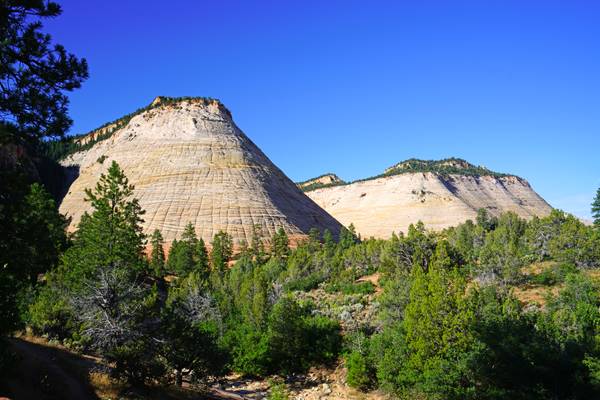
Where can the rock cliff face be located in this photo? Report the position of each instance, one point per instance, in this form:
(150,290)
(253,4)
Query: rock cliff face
(189,162)
(390,203)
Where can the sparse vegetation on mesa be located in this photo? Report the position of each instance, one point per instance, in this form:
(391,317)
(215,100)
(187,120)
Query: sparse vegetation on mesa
(314,183)
(61,148)
(444,167)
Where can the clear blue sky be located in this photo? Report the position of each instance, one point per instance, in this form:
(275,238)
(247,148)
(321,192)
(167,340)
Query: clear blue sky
(352,87)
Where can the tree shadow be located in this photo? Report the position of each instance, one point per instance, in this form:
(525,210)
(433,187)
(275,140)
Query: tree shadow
(47,372)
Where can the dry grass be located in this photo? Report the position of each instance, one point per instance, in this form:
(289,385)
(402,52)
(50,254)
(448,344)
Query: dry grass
(594,274)
(374,279)
(537,267)
(104,386)
(535,294)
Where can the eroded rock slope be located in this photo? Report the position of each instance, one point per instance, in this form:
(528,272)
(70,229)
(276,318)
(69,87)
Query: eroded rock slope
(443,195)
(189,162)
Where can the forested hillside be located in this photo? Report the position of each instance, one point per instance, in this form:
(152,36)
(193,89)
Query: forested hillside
(448,321)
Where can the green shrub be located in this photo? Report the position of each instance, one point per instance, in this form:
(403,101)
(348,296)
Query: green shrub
(306,283)
(249,350)
(358,373)
(324,338)
(277,391)
(554,274)
(298,339)
(350,288)
(50,315)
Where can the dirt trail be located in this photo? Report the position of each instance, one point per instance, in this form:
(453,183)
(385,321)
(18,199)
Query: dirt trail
(48,373)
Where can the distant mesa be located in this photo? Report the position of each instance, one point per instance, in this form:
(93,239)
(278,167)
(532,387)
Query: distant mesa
(440,193)
(189,162)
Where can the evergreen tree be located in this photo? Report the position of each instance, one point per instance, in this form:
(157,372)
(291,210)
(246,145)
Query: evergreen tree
(222,250)
(596,209)
(347,237)
(257,248)
(201,259)
(112,235)
(100,279)
(280,247)
(170,263)
(32,236)
(485,221)
(191,326)
(438,334)
(35,74)
(541,232)
(182,258)
(157,256)
(328,241)
(501,254)
(576,243)
(189,236)
(444,256)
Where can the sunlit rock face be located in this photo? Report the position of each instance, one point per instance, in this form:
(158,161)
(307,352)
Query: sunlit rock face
(377,207)
(189,162)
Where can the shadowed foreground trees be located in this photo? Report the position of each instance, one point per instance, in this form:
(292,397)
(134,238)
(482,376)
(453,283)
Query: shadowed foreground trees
(34,76)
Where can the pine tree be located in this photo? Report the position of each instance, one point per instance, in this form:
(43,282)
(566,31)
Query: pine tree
(441,256)
(347,237)
(257,248)
(328,241)
(314,239)
(170,264)
(182,257)
(32,236)
(222,250)
(35,74)
(485,221)
(596,209)
(181,261)
(201,255)
(100,277)
(157,257)
(111,236)
(280,247)
(190,328)
(189,236)
(438,332)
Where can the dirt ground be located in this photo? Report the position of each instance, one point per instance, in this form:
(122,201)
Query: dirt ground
(48,371)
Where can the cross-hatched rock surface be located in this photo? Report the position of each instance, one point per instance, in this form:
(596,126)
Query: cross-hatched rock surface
(378,207)
(189,162)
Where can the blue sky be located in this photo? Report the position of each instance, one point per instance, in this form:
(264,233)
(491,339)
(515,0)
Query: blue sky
(353,87)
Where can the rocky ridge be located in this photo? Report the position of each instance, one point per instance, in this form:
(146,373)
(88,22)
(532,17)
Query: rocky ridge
(324,180)
(439,193)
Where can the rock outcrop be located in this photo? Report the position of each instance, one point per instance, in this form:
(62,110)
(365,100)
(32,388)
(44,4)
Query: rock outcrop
(189,162)
(324,180)
(441,194)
